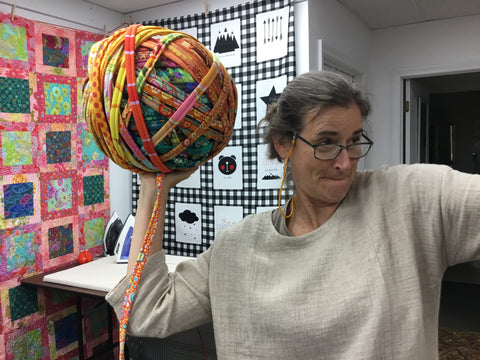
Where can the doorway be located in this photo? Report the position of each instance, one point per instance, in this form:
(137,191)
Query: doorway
(442,121)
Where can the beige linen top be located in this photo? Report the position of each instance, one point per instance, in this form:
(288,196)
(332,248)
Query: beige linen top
(365,285)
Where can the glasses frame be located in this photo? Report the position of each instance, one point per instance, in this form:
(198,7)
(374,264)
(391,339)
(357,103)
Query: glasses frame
(340,147)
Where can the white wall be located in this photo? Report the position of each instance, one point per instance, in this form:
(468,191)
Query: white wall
(344,38)
(431,48)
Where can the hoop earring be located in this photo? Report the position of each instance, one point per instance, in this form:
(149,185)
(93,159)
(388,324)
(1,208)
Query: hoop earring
(283,180)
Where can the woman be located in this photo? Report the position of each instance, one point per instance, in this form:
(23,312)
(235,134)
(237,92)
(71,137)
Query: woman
(349,268)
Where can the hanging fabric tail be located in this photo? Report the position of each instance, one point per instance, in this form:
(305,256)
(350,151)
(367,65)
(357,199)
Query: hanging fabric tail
(137,272)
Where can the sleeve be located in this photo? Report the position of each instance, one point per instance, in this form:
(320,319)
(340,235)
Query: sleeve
(460,207)
(166,303)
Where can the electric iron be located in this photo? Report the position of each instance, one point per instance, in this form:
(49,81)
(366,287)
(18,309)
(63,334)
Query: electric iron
(122,248)
(112,231)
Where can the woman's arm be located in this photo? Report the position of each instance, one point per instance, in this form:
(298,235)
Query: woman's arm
(146,202)
(164,303)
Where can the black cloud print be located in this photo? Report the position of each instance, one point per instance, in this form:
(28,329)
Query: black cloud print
(188,216)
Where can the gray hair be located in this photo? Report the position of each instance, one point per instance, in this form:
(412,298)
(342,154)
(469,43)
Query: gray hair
(312,91)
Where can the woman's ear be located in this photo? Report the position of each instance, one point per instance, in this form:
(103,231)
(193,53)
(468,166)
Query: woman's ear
(282,145)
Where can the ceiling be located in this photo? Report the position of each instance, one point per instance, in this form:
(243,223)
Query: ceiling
(375,14)
(128,6)
(380,14)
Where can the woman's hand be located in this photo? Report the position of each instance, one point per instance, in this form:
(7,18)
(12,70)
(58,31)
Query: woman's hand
(177,176)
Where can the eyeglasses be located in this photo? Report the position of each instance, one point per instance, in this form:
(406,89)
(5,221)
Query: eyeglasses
(331,151)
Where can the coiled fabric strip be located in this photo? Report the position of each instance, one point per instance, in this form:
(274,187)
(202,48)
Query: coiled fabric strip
(157,100)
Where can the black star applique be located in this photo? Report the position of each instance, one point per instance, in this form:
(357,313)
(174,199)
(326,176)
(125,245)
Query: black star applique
(271,98)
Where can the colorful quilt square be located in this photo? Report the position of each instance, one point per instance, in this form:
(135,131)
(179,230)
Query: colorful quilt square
(16,148)
(27,342)
(20,250)
(57,98)
(59,146)
(16,200)
(91,180)
(59,194)
(55,51)
(88,150)
(16,103)
(28,346)
(65,331)
(14,41)
(62,332)
(60,240)
(93,189)
(19,148)
(17,50)
(84,42)
(14,95)
(23,301)
(94,230)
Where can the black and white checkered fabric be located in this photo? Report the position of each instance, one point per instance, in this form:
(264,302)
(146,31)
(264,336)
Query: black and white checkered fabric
(248,137)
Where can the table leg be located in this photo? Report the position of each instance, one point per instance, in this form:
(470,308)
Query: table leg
(80,327)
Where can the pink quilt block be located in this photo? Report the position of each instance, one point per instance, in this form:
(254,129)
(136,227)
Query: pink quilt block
(59,142)
(59,194)
(62,332)
(21,249)
(20,149)
(10,305)
(18,44)
(92,229)
(84,42)
(93,190)
(27,342)
(55,50)
(59,245)
(16,101)
(57,98)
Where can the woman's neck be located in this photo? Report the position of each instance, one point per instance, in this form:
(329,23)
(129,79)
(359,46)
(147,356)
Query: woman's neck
(308,215)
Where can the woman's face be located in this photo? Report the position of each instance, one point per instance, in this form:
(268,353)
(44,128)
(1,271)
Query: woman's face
(325,182)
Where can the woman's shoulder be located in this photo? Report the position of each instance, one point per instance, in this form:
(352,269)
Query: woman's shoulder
(399,180)
(412,172)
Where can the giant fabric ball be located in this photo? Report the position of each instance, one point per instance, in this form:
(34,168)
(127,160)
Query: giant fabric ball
(157,100)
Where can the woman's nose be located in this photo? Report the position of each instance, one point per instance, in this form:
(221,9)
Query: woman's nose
(342,161)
